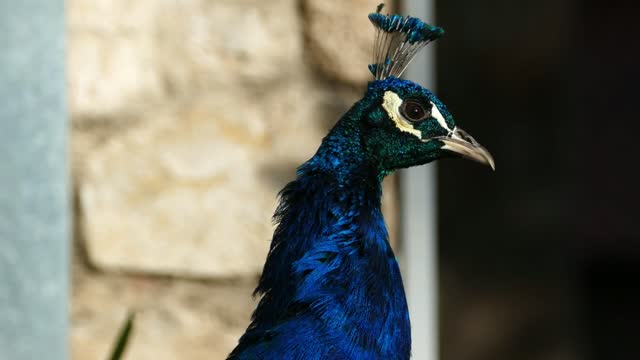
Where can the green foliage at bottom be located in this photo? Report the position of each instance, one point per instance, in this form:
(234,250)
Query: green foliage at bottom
(123,338)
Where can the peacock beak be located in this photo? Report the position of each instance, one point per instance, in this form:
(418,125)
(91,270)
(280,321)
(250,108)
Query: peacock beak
(459,142)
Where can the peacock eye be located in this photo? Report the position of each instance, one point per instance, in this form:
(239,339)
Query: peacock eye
(414,111)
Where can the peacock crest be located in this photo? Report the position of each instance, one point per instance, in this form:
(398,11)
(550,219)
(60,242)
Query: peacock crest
(397,41)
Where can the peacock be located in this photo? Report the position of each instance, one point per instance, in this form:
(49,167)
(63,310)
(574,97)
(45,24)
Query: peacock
(331,286)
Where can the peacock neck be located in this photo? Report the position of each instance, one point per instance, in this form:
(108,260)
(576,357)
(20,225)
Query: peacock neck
(343,155)
(330,271)
(350,268)
(343,258)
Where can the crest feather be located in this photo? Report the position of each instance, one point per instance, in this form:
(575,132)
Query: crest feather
(398,39)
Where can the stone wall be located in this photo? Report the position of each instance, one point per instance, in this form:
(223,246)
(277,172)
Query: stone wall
(188,117)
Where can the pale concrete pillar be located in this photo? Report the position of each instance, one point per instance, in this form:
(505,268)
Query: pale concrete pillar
(419,216)
(34,201)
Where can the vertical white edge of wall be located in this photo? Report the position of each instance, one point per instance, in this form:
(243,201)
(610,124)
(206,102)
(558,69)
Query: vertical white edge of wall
(419,216)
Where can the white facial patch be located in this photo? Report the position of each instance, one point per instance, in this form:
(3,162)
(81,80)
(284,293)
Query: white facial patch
(435,113)
(391,104)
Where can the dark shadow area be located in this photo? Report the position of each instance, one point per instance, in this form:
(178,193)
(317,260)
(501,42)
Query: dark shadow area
(530,254)
(611,296)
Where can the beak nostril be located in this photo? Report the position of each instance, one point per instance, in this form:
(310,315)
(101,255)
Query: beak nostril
(466,137)
(462,135)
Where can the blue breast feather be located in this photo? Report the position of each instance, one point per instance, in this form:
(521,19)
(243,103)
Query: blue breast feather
(331,287)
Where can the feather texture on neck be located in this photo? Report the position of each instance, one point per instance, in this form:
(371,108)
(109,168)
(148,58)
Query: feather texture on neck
(331,281)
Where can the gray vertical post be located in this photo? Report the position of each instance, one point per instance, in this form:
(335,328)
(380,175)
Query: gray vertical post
(419,224)
(34,206)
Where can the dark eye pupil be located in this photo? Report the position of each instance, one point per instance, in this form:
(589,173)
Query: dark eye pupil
(414,111)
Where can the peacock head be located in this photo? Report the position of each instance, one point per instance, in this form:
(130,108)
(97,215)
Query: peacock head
(405,124)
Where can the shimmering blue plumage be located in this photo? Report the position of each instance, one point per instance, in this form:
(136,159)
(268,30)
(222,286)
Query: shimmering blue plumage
(331,286)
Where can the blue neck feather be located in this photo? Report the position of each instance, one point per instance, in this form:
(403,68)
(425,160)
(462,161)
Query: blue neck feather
(331,287)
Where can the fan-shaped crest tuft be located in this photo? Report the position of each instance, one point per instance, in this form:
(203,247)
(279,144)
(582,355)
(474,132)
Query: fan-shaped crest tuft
(398,39)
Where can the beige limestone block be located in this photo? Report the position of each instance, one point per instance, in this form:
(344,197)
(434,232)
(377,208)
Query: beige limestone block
(124,55)
(110,16)
(214,45)
(175,319)
(181,195)
(340,37)
(111,62)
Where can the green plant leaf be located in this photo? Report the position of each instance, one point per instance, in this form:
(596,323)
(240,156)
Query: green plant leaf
(123,337)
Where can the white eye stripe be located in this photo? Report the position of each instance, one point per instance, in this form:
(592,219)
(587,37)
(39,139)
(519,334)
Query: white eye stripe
(435,113)
(391,103)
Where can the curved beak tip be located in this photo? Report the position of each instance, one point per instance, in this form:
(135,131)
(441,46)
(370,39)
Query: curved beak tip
(482,156)
(464,145)
(492,164)
(488,159)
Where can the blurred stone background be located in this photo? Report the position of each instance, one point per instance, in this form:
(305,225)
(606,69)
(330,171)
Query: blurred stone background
(188,117)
